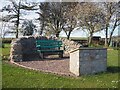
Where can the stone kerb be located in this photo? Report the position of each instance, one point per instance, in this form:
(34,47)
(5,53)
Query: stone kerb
(88,61)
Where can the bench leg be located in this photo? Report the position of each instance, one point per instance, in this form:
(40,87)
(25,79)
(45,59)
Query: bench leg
(61,55)
(41,55)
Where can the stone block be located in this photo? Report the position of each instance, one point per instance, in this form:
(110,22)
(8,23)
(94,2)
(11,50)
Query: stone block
(84,68)
(88,61)
(74,63)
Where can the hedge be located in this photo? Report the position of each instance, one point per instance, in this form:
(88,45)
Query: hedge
(7,40)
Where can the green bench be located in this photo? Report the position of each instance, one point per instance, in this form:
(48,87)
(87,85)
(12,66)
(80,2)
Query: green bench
(49,47)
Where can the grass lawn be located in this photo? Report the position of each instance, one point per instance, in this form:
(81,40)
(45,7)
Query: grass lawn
(17,77)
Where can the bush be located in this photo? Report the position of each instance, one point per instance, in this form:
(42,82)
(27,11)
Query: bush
(7,40)
(3,45)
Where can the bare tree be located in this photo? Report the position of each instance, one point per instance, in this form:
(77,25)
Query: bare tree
(55,20)
(89,16)
(50,17)
(111,18)
(69,17)
(43,15)
(14,13)
(56,16)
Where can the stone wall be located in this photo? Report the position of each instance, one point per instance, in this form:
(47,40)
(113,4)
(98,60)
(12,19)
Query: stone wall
(69,45)
(88,61)
(24,48)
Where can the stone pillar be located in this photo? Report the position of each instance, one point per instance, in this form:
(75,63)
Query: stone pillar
(88,61)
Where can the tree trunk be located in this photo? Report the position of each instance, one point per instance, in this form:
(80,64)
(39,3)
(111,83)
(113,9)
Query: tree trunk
(17,25)
(42,27)
(110,37)
(18,19)
(106,36)
(17,33)
(57,34)
(68,35)
(106,39)
(112,33)
(90,39)
(57,29)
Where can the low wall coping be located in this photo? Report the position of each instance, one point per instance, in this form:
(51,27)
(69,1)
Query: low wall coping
(89,48)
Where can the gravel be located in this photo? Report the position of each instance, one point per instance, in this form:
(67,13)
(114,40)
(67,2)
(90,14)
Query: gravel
(50,64)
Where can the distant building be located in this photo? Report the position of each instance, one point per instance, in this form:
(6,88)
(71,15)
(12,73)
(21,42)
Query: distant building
(84,41)
(96,40)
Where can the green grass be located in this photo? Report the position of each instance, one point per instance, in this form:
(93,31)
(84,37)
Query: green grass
(17,77)
(112,58)
(5,52)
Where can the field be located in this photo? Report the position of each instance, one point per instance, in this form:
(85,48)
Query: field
(17,77)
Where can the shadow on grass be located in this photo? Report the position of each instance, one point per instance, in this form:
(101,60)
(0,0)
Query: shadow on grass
(113,69)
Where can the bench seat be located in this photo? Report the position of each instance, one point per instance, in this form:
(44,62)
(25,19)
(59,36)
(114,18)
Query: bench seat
(49,47)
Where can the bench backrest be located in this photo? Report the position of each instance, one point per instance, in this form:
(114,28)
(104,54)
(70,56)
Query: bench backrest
(48,44)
